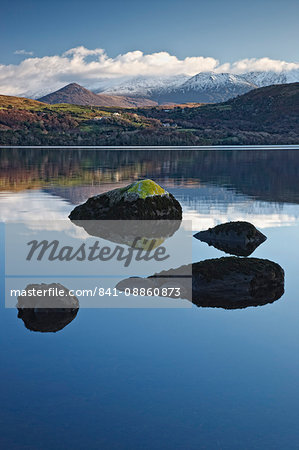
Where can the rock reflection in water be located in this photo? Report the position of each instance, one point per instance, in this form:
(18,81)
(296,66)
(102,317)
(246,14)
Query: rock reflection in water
(47,313)
(149,233)
(227,282)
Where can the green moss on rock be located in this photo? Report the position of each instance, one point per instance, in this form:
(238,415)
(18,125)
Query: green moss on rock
(143,200)
(145,188)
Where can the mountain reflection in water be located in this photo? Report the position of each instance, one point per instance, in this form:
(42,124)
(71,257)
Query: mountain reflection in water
(252,173)
(212,186)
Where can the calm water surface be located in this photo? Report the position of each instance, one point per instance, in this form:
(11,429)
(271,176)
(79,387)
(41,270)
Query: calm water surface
(158,378)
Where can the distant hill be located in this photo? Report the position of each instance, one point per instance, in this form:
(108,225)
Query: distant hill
(10,101)
(268,115)
(263,116)
(274,100)
(77,95)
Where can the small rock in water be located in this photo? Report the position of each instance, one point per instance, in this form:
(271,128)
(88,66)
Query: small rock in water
(142,200)
(228,282)
(47,313)
(236,238)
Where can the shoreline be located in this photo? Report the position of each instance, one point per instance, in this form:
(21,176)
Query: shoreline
(149,147)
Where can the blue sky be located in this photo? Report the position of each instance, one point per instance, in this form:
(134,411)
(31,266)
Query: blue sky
(228,30)
(45,45)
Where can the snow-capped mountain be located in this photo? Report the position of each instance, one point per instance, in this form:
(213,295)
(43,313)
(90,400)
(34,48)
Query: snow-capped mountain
(214,87)
(212,80)
(293,76)
(147,86)
(262,79)
(204,87)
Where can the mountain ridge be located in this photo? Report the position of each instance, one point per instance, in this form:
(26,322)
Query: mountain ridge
(204,87)
(263,116)
(76,94)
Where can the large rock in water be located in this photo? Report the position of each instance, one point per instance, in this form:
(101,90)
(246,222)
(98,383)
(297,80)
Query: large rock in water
(227,282)
(47,314)
(142,200)
(236,238)
(232,282)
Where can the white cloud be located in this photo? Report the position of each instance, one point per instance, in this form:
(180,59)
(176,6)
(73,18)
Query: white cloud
(23,52)
(92,67)
(262,64)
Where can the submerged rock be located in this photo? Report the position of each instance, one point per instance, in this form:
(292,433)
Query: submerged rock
(47,313)
(227,282)
(142,200)
(236,238)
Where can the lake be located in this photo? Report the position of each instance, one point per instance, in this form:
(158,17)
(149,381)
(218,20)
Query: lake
(157,378)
